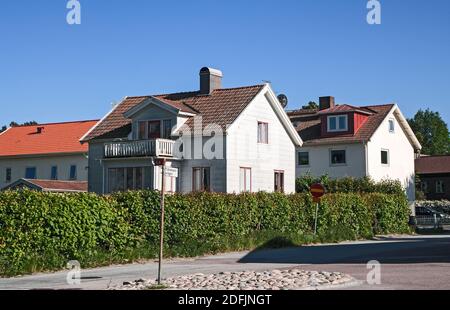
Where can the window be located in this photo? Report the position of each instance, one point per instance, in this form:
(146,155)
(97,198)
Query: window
(121,179)
(8,175)
(245,179)
(263,133)
(391,125)
(167,129)
(73,172)
(30,173)
(201,180)
(279,181)
(142,130)
(424,186)
(439,187)
(303,158)
(154,129)
(337,123)
(54,173)
(338,157)
(149,130)
(384,157)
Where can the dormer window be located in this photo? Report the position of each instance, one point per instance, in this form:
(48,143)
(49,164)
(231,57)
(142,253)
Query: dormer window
(337,123)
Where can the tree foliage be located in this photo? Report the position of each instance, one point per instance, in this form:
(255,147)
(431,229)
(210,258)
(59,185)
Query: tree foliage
(431,131)
(15,124)
(310,106)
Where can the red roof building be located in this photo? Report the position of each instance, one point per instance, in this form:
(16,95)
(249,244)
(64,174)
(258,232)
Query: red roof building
(46,151)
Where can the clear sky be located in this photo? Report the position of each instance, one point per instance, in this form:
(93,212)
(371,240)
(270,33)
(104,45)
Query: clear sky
(51,72)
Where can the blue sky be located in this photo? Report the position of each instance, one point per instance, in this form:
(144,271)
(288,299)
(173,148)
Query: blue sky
(51,72)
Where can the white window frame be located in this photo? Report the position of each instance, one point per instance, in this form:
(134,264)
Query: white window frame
(337,117)
(439,187)
(263,139)
(388,157)
(243,183)
(391,121)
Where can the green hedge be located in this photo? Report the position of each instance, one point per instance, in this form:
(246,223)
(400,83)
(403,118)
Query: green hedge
(350,185)
(42,231)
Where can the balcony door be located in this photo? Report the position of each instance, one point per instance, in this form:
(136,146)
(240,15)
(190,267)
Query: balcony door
(149,130)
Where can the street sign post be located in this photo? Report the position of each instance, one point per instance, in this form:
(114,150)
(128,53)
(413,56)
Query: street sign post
(317,191)
(171,172)
(161,162)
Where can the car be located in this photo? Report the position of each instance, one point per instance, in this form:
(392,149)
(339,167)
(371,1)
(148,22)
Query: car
(429,212)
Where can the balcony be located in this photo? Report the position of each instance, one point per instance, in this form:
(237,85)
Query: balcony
(140,148)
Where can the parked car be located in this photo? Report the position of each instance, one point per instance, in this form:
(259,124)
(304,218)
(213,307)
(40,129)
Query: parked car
(429,212)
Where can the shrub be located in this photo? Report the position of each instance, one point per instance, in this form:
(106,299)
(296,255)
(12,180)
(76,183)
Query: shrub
(42,231)
(350,185)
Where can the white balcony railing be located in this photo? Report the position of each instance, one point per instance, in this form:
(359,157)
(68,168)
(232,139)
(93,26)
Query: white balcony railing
(140,148)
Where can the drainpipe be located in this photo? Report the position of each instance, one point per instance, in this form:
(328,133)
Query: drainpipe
(366,158)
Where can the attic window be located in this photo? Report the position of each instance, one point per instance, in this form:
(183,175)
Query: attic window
(391,125)
(337,123)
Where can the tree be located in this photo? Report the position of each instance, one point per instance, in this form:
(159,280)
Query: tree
(431,131)
(310,106)
(14,124)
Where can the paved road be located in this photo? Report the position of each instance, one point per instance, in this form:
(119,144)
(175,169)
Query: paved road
(418,262)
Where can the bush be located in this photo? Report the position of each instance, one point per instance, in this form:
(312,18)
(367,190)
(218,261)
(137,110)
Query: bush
(43,231)
(350,185)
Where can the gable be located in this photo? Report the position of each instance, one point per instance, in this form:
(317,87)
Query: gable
(269,97)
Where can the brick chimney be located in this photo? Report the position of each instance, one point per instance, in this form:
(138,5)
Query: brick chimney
(210,79)
(326,102)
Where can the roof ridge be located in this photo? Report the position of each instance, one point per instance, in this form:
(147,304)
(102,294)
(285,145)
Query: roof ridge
(61,181)
(56,123)
(196,91)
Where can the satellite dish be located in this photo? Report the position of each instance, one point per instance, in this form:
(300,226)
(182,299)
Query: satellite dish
(283,100)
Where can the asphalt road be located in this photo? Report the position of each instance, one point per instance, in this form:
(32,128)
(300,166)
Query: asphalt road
(412,262)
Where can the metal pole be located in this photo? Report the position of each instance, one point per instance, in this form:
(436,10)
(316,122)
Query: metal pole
(315,221)
(161,227)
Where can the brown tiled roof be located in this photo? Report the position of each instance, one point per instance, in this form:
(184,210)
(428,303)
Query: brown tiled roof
(433,164)
(54,186)
(343,108)
(309,127)
(222,107)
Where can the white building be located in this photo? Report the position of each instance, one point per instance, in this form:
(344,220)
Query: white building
(216,139)
(347,141)
(44,152)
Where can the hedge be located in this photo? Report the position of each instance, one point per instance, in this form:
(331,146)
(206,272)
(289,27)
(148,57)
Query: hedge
(350,185)
(43,231)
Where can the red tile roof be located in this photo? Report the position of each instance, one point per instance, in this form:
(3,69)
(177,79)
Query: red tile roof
(222,107)
(433,164)
(309,126)
(55,138)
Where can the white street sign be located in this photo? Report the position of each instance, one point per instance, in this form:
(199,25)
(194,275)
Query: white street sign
(171,172)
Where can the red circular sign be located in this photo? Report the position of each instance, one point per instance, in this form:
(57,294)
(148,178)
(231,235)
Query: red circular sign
(317,190)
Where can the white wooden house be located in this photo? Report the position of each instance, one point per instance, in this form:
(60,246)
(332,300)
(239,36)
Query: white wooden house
(220,139)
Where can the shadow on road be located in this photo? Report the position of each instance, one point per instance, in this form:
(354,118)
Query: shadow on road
(387,251)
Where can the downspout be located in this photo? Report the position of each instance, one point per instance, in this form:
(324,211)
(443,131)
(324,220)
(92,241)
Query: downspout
(366,158)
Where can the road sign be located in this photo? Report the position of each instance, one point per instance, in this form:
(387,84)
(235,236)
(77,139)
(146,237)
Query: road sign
(317,191)
(171,172)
